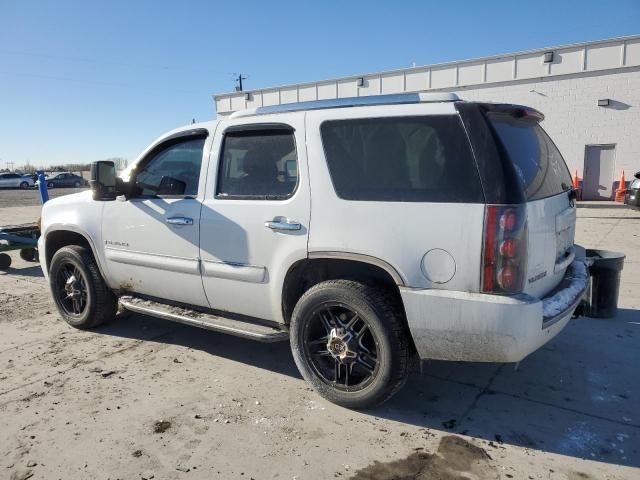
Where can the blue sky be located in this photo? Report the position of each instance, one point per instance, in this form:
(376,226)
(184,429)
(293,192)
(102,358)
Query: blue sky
(82,80)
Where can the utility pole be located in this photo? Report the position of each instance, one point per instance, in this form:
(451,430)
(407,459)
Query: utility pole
(239,79)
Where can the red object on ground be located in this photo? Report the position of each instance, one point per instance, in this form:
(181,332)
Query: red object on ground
(622,187)
(576,181)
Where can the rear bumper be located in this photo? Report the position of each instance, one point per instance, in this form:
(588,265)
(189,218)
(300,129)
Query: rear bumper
(462,326)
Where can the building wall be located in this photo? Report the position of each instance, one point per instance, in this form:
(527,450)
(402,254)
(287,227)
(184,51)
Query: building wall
(572,116)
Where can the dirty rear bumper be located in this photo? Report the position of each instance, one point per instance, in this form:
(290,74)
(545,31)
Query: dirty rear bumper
(462,326)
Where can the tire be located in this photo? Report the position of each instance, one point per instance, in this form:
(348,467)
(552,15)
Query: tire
(76,185)
(95,303)
(29,254)
(50,185)
(24,185)
(5,261)
(384,351)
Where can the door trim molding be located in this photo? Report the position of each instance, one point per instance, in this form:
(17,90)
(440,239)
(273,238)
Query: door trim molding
(234,271)
(152,260)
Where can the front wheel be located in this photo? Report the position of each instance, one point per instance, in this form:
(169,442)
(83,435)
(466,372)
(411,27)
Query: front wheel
(76,185)
(81,295)
(351,343)
(24,185)
(50,185)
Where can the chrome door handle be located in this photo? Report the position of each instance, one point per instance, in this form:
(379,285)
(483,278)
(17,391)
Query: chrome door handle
(284,225)
(180,220)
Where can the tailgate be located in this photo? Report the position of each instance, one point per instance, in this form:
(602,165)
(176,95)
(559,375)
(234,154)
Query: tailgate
(551,231)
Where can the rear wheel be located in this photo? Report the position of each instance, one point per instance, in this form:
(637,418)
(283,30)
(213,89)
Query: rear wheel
(24,185)
(351,343)
(81,295)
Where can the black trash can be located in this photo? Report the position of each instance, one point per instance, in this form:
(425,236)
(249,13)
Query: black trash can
(605,282)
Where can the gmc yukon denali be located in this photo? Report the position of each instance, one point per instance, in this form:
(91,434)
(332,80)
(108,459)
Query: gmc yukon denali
(370,232)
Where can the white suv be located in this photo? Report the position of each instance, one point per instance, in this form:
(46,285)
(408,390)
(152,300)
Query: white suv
(369,232)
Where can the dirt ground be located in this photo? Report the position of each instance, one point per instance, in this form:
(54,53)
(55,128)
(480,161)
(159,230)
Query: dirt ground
(145,398)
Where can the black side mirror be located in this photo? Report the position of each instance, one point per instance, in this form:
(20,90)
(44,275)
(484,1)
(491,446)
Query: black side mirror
(103,181)
(171,186)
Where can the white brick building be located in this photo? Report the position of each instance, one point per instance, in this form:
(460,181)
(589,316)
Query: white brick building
(589,93)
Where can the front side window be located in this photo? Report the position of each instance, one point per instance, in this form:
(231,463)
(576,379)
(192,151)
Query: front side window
(172,171)
(401,159)
(258,164)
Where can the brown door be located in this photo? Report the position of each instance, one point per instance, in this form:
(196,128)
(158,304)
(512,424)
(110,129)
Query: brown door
(599,163)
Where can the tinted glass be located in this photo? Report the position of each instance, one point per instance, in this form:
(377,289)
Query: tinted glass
(174,170)
(537,161)
(258,164)
(401,159)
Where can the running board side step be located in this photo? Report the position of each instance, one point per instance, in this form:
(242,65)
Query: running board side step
(209,321)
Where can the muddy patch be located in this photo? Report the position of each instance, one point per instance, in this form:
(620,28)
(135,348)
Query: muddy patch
(161,426)
(455,459)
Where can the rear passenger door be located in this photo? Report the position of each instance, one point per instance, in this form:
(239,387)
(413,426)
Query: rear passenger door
(255,216)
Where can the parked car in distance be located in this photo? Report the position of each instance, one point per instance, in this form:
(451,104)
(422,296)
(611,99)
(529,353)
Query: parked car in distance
(66,180)
(15,180)
(632,195)
(369,232)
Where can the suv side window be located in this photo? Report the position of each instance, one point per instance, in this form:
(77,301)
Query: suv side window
(173,170)
(258,164)
(401,159)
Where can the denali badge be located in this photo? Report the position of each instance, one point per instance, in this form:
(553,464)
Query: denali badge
(537,277)
(116,244)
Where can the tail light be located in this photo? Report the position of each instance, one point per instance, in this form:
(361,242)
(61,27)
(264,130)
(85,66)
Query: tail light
(504,259)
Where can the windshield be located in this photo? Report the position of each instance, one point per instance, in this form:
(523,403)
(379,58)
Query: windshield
(538,163)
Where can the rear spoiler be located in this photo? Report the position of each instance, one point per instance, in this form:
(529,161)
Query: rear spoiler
(516,111)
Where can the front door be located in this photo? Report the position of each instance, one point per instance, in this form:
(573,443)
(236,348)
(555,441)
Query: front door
(599,162)
(151,239)
(255,217)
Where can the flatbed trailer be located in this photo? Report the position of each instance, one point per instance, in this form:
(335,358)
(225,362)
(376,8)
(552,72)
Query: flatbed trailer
(19,237)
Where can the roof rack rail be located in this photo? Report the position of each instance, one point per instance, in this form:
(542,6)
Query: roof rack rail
(399,98)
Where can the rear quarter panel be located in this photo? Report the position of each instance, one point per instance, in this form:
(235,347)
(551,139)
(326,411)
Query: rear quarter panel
(399,233)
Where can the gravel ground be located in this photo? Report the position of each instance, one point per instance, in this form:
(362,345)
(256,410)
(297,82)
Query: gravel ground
(145,398)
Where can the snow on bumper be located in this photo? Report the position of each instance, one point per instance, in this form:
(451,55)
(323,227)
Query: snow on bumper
(462,326)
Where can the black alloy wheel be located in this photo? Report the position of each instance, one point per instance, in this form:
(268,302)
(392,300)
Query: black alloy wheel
(341,347)
(71,289)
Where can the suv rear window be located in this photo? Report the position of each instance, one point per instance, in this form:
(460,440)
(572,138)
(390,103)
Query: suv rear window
(537,160)
(401,159)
